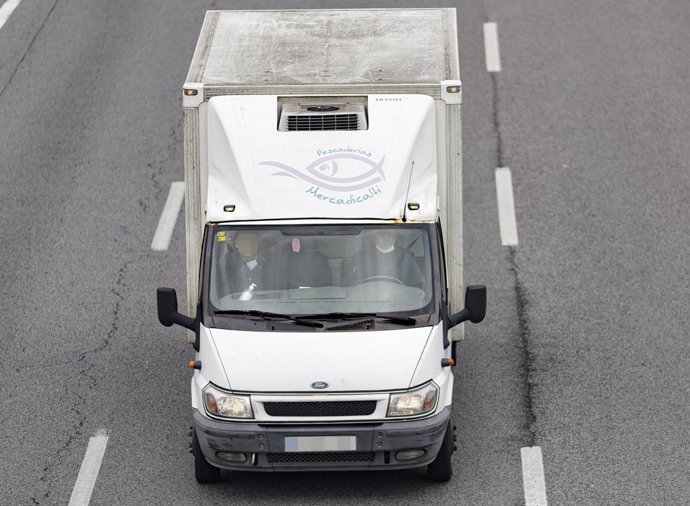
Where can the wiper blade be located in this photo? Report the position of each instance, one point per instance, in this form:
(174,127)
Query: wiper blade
(344,320)
(401,320)
(267,316)
(351,324)
(333,316)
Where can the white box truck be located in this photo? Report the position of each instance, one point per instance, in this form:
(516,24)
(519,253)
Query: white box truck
(324,240)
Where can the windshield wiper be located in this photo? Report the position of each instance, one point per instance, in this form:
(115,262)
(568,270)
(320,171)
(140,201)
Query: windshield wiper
(333,316)
(268,316)
(401,320)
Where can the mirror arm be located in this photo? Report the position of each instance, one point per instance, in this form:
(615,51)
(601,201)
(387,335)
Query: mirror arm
(454,320)
(458,318)
(185,321)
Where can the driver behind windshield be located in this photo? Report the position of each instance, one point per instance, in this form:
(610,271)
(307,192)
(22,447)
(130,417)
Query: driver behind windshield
(244,266)
(385,260)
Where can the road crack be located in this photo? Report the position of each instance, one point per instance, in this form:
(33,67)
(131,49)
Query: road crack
(496,120)
(527,359)
(28,49)
(521,298)
(87,378)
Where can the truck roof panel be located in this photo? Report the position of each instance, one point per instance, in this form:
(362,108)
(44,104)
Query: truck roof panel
(322,48)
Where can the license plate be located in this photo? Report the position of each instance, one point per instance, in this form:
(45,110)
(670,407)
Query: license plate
(320,443)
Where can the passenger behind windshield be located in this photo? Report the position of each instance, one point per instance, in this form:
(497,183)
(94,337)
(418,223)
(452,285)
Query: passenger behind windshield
(385,260)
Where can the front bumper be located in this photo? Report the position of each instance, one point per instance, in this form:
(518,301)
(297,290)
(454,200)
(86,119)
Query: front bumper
(264,445)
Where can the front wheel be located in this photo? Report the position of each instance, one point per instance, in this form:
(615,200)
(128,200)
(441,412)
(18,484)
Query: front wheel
(441,468)
(203,471)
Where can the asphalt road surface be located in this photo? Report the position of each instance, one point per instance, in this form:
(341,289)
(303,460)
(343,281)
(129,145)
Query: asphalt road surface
(585,351)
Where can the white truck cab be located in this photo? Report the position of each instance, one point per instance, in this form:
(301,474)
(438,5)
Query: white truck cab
(321,288)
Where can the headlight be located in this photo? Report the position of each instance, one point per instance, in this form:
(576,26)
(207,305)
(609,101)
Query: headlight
(227,405)
(414,402)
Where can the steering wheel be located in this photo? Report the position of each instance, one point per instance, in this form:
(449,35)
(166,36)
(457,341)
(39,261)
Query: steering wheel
(382,278)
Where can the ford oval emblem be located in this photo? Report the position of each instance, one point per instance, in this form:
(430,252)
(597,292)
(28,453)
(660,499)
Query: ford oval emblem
(319,385)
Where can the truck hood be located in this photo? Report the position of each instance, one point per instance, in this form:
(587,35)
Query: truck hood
(347,361)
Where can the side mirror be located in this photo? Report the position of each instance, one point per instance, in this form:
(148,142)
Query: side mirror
(167,310)
(475,301)
(475,306)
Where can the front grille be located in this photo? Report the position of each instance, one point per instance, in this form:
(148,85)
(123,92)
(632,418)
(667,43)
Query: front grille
(336,408)
(323,122)
(316,457)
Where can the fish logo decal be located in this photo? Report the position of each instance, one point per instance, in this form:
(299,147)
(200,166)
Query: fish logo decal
(340,172)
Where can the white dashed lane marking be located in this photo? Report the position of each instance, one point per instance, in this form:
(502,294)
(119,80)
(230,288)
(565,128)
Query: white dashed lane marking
(7,9)
(506,207)
(533,476)
(491,52)
(83,488)
(171,210)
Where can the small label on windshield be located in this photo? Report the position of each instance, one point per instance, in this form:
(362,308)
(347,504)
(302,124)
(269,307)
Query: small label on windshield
(221,236)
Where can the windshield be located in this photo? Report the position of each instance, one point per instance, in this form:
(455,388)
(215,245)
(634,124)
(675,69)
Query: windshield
(321,269)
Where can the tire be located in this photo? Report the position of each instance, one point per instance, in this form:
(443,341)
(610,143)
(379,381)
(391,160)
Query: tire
(441,469)
(203,471)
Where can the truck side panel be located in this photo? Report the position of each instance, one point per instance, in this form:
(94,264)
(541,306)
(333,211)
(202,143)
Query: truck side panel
(193,199)
(453,233)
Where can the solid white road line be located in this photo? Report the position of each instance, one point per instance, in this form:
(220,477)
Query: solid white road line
(166,225)
(7,9)
(533,476)
(81,493)
(506,207)
(491,53)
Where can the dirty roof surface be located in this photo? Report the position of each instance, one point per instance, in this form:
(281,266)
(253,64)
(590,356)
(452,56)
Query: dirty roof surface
(324,47)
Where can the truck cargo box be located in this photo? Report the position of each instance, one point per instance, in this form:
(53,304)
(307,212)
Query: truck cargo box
(328,53)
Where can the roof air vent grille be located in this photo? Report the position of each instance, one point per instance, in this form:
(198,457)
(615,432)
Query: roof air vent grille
(325,122)
(310,117)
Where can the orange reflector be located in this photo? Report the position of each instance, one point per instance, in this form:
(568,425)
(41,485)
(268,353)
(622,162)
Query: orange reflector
(447,362)
(191,364)
(189,92)
(229,209)
(453,89)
